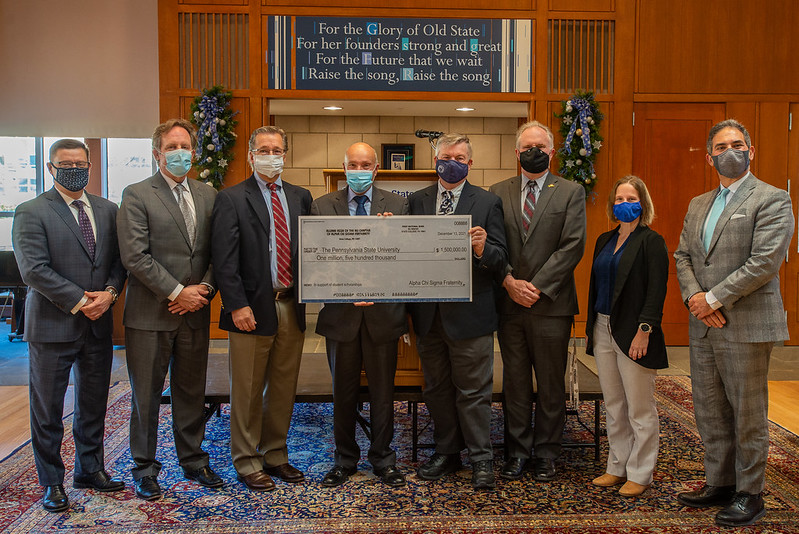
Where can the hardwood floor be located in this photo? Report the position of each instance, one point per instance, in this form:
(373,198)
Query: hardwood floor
(15,428)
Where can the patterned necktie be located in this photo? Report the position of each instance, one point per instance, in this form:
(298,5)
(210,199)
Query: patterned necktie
(188,218)
(281,239)
(85,227)
(361,201)
(715,213)
(446,206)
(529,205)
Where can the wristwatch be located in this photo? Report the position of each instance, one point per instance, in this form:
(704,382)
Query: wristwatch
(114,294)
(645,328)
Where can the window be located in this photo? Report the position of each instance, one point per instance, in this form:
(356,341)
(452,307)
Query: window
(24,174)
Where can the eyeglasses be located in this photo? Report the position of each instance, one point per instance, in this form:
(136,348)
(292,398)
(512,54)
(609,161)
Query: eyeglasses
(269,152)
(70,164)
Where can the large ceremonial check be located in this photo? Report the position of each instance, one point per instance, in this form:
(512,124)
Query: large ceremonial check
(403,258)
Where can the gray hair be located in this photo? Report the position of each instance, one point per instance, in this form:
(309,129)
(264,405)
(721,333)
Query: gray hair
(269,130)
(452,139)
(534,124)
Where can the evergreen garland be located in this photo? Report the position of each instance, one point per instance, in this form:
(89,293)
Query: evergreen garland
(580,118)
(213,117)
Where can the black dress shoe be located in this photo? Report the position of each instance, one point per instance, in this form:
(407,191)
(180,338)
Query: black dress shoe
(483,475)
(147,488)
(204,476)
(513,468)
(544,469)
(391,476)
(286,473)
(707,496)
(55,500)
(338,476)
(99,481)
(439,465)
(744,509)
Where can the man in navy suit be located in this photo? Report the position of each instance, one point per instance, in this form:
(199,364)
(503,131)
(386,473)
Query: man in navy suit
(456,339)
(254,248)
(65,243)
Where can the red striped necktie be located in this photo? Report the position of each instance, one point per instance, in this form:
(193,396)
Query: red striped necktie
(284,277)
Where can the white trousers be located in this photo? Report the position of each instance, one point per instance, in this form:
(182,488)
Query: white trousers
(631,412)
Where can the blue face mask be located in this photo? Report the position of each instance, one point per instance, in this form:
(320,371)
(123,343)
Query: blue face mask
(73,179)
(178,162)
(627,211)
(360,181)
(451,171)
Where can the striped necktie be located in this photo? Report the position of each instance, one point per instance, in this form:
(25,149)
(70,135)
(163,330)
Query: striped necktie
(282,241)
(529,205)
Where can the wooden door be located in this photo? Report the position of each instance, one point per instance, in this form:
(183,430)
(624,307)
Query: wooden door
(790,273)
(669,156)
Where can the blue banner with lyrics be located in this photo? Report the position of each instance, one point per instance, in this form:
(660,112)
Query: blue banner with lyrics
(402,54)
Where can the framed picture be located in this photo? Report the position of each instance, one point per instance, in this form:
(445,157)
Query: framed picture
(397,157)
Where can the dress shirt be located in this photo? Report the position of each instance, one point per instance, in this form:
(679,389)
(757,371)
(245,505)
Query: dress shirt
(190,201)
(540,181)
(456,195)
(267,194)
(352,205)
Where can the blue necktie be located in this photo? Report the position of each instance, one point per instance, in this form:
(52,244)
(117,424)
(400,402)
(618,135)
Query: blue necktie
(715,213)
(361,201)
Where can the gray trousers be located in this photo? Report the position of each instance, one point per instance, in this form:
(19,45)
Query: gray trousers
(730,391)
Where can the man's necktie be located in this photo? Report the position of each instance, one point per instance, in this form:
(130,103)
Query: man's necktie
(529,205)
(446,206)
(281,239)
(715,213)
(188,218)
(360,209)
(85,227)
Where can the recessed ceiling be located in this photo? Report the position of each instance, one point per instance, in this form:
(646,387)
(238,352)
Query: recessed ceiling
(415,108)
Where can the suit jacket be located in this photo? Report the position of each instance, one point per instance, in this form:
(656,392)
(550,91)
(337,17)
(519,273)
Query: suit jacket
(155,248)
(242,259)
(742,266)
(54,262)
(341,322)
(553,245)
(463,320)
(638,294)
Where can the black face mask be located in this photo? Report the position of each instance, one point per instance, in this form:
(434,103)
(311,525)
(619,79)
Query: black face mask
(534,160)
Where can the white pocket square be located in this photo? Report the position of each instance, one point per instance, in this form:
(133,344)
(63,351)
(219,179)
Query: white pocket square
(737,216)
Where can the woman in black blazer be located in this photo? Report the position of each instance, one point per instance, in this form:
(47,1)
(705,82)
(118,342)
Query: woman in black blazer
(625,307)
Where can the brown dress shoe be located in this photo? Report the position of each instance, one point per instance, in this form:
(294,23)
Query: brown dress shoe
(632,489)
(607,480)
(258,481)
(286,473)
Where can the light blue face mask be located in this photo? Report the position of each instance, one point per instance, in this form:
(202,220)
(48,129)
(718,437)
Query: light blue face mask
(178,162)
(360,181)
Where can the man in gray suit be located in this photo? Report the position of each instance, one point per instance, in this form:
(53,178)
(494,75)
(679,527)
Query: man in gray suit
(733,242)
(65,243)
(363,334)
(545,226)
(164,228)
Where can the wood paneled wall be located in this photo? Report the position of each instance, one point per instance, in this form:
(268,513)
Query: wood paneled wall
(740,56)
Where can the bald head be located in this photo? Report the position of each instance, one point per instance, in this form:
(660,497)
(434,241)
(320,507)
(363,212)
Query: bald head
(360,156)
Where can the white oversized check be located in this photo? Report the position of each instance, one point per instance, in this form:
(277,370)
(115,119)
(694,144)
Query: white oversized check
(404,258)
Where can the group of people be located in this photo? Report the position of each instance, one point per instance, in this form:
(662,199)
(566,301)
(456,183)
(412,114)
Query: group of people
(178,242)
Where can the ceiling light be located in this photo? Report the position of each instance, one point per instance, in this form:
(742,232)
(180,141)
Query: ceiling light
(332,108)
(464,109)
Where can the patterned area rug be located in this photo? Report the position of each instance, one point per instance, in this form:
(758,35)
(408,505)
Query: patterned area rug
(571,504)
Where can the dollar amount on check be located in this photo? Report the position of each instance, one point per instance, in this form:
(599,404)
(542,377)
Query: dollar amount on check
(404,258)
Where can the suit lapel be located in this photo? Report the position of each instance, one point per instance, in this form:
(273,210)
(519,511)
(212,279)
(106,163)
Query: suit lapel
(167,198)
(429,200)
(743,192)
(550,186)
(513,201)
(466,201)
(378,202)
(257,202)
(295,208)
(65,213)
(340,205)
(99,229)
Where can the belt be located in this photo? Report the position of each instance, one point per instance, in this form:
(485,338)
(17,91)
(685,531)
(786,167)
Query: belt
(284,294)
